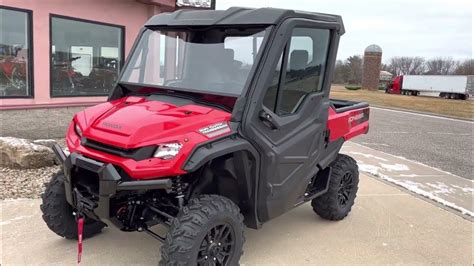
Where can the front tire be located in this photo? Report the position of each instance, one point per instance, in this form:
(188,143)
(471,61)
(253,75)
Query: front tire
(58,214)
(337,202)
(208,231)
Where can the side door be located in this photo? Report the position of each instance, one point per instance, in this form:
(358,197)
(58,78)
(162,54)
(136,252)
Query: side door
(286,118)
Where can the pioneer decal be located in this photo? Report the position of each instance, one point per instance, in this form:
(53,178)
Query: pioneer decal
(359,118)
(111,125)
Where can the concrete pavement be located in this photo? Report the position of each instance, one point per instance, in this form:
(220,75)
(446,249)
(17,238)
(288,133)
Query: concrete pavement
(386,226)
(440,142)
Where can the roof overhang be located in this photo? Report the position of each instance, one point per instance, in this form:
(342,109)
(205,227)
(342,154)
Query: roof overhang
(236,16)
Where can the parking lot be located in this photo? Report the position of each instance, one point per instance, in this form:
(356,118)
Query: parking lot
(386,225)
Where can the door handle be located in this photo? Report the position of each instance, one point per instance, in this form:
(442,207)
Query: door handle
(267,120)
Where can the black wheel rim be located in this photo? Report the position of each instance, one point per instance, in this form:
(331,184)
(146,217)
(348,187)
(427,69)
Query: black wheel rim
(218,246)
(345,189)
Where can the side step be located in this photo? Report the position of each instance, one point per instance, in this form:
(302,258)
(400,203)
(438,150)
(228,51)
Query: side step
(319,185)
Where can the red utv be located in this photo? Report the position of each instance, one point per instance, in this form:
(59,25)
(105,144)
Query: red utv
(13,70)
(228,125)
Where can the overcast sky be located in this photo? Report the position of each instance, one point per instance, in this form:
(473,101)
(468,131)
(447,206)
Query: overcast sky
(428,28)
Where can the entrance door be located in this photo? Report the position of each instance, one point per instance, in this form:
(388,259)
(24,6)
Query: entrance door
(286,119)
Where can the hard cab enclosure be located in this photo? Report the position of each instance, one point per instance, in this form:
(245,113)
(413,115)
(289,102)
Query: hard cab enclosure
(232,103)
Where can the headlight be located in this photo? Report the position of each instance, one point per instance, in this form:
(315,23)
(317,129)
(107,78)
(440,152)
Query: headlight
(167,151)
(78,130)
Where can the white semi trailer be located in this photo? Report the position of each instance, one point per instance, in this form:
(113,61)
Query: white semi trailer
(450,87)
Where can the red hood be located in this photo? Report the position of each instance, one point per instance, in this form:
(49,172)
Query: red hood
(135,121)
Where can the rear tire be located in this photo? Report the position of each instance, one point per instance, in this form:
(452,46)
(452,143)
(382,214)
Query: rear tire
(208,230)
(58,214)
(337,202)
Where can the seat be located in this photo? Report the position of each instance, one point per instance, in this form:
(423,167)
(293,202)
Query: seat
(298,60)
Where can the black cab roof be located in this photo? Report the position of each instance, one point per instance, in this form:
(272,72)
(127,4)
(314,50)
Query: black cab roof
(236,16)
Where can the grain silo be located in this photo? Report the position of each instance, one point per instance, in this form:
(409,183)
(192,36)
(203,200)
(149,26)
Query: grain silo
(371,70)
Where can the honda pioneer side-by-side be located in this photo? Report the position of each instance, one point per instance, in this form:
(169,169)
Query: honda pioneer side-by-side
(219,120)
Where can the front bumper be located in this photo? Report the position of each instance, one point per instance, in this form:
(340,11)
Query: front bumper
(110,183)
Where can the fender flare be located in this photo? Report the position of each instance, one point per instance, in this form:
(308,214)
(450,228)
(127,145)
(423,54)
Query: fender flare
(208,151)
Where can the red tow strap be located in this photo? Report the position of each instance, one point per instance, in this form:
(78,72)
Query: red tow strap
(80,228)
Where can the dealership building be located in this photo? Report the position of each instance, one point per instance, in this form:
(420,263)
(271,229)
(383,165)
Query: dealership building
(59,56)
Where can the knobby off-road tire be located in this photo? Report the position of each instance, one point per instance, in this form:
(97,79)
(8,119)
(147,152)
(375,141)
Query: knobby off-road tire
(207,228)
(58,214)
(337,202)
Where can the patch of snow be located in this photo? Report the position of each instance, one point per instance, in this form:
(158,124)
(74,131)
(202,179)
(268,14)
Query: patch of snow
(414,187)
(399,157)
(395,167)
(410,175)
(441,188)
(368,168)
(464,189)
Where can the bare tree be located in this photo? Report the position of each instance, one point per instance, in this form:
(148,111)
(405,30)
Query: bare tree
(441,66)
(465,68)
(385,67)
(405,65)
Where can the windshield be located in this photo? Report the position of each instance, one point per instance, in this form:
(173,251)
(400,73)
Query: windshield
(216,61)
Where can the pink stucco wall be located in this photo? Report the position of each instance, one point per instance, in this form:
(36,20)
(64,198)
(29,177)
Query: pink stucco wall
(129,13)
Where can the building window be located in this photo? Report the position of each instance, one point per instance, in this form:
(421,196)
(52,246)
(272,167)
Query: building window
(15,53)
(86,57)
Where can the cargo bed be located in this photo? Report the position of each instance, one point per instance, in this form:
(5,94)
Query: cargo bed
(340,106)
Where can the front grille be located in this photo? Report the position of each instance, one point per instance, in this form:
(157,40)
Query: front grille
(137,154)
(107,148)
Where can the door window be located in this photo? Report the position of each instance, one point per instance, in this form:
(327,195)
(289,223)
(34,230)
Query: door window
(269,100)
(304,68)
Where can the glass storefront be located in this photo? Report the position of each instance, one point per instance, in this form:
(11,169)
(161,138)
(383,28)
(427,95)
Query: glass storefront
(15,53)
(85,57)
